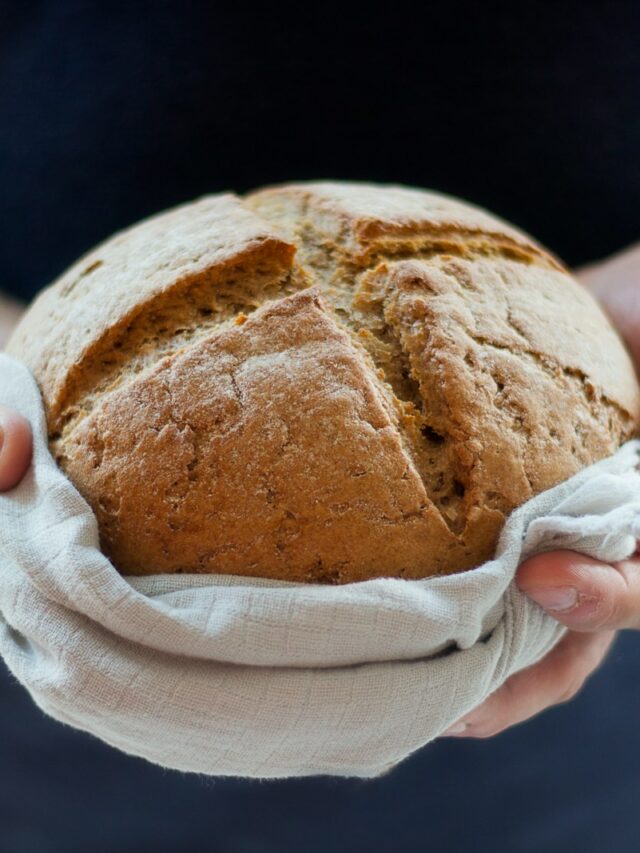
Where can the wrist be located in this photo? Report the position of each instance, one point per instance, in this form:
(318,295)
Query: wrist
(10,312)
(615,283)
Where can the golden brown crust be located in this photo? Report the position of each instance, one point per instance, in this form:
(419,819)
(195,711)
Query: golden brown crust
(516,410)
(227,417)
(361,221)
(264,449)
(88,316)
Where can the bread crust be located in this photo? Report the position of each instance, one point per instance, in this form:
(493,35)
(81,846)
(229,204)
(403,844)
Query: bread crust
(86,317)
(323,382)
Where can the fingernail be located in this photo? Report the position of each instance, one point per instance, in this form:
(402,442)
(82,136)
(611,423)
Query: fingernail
(456,729)
(558,598)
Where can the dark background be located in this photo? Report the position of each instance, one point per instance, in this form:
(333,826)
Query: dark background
(112,111)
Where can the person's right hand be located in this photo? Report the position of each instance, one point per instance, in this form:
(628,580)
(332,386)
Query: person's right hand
(15,448)
(593,599)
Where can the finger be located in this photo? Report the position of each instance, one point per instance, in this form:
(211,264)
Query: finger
(555,679)
(582,593)
(15,448)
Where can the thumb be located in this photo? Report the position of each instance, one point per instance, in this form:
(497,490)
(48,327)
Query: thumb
(582,593)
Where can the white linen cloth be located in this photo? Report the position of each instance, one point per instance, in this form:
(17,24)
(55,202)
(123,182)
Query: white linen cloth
(236,676)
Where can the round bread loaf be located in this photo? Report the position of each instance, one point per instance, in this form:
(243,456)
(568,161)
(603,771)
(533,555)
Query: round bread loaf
(322,382)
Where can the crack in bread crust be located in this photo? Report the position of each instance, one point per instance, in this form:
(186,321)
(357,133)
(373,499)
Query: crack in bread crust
(449,384)
(430,438)
(553,368)
(169,324)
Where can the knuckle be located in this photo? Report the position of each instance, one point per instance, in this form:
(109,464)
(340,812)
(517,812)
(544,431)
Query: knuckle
(581,662)
(598,612)
(626,612)
(489,726)
(482,732)
(571,689)
(609,611)
(615,603)
(482,725)
(595,653)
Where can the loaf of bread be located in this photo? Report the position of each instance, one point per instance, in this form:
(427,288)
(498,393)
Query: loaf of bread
(322,382)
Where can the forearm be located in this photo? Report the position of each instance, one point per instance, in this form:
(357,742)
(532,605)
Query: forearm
(615,282)
(10,311)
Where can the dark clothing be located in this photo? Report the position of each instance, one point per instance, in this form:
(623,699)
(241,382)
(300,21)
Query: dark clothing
(110,112)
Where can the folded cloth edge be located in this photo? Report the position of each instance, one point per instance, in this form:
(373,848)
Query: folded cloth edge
(515,630)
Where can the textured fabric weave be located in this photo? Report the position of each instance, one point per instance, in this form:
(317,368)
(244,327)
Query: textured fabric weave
(245,677)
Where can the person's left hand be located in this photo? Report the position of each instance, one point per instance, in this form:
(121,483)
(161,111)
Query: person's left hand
(594,600)
(15,448)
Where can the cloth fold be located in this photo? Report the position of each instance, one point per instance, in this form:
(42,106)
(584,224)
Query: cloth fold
(238,676)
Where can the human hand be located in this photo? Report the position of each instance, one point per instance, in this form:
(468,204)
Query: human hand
(15,448)
(593,599)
